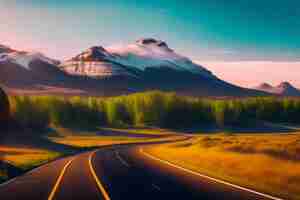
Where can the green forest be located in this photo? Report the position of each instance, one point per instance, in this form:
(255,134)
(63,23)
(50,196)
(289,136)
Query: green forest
(150,109)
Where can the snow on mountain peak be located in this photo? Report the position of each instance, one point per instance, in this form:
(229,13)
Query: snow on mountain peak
(149,52)
(24,59)
(140,55)
(95,53)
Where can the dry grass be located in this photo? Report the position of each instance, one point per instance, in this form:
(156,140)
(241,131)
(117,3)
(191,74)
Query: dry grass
(267,163)
(142,131)
(26,158)
(98,141)
(95,139)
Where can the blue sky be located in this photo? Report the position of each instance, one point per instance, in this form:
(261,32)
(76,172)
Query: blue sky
(208,30)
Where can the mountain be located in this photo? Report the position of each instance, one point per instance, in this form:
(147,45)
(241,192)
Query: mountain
(284,89)
(131,60)
(151,64)
(34,73)
(146,64)
(21,68)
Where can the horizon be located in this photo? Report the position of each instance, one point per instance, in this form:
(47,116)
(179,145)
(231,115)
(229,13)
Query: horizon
(263,43)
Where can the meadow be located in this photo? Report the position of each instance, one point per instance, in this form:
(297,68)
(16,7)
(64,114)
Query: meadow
(267,163)
(166,110)
(23,152)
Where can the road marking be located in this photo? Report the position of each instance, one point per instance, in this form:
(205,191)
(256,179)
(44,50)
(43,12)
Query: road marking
(99,184)
(121,159)
(58,181)
(8,182)
(210,178)
(22,176)
(156,187)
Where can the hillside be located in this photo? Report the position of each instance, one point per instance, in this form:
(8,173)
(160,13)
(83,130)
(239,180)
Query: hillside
(147,64)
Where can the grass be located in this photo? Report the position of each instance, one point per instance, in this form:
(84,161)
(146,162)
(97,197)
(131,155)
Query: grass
(141,131)
(22,157)
(15,160)
(87,139)
(94,141)
(268,163)
(27,158)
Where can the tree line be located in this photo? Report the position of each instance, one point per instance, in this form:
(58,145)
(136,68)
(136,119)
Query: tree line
(150,109)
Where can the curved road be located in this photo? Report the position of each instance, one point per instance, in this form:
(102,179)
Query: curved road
(119,172)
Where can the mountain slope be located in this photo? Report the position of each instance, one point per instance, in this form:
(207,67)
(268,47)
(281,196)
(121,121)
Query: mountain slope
(130,60)
(151,64)
(147,64)
(284,89)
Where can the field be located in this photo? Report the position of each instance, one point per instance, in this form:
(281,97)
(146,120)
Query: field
(14,160)
(265,162)
(62,126)
(112,136)
(17,157)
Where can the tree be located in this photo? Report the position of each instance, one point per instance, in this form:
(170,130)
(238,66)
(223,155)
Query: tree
(4,106)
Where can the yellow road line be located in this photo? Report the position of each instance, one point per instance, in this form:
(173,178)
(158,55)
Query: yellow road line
(208,177)
(99,184)
(58,181)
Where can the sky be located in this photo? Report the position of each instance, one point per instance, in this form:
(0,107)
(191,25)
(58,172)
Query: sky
(244,42)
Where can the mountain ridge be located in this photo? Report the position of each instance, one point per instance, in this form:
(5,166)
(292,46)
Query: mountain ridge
(147,64)
(284,89)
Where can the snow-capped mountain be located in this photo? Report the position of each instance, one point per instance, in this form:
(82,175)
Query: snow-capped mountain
(95,62)
(131,59)
(28,69)
(24,59)
(147,64)
(284,89)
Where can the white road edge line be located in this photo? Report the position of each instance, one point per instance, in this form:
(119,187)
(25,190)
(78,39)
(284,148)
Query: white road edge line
(98,182)
(22,175)
(210,178)
(8,182)
(121,159)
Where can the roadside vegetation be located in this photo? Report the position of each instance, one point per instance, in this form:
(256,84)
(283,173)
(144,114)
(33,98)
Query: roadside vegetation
(268,163)
(158,109)
(22,152)
(64,126)
(14,160)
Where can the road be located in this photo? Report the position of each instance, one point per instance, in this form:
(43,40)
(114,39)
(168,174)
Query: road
(119,172)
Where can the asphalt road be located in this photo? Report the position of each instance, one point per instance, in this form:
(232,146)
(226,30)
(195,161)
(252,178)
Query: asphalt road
(118,172)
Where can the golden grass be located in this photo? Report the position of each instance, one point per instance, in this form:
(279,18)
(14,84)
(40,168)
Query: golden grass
(26,158)
(98,141)
(142,131)
(242,159)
